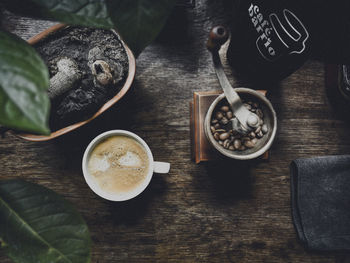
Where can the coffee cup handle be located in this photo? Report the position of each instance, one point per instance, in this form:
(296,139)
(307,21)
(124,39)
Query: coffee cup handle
(161,168)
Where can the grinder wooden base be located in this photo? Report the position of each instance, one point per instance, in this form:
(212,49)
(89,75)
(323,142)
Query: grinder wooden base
(201,149)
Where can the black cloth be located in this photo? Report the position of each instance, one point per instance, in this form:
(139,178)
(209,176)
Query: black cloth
(320,189)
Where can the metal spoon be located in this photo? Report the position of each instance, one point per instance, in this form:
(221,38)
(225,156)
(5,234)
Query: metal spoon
(245,120)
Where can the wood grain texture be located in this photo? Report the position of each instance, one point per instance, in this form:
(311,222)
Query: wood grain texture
(217,212)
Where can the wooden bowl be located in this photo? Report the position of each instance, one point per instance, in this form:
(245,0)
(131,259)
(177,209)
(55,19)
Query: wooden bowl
(107,105)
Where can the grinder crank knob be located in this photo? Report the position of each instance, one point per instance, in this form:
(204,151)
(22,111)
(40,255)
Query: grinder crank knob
(217,37)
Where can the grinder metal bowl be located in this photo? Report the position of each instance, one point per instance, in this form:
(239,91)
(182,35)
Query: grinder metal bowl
(217,37)
(269,119)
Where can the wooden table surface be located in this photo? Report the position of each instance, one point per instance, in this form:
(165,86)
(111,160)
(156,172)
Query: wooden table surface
(213,212)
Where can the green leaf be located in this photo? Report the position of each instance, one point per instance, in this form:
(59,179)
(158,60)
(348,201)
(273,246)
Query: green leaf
(139,21)
(39,226)
(24,79)
(78,12)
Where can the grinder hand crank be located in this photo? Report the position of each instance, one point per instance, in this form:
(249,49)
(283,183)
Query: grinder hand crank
(245,120)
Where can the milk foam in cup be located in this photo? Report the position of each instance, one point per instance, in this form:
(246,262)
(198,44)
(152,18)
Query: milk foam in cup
(118,165)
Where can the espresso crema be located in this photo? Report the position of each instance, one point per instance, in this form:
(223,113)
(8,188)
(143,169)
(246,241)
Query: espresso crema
(118,164)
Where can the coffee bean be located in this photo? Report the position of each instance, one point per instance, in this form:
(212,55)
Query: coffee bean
(248,106)
(237,144)
(260,134)
(229,115)
(252,135)
(248,144)
(232,139)
(242,148)
(259,113)
(216,136)
(257,130)
(219,115)
(224,136)
(225,108)
(264,129)
(224,121)
(226,143)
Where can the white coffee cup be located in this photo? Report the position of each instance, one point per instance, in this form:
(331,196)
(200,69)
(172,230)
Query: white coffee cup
(154,167)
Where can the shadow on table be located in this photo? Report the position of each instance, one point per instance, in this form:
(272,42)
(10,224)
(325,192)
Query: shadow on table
(132,211)
(339,256)
(123,115)
(231,180)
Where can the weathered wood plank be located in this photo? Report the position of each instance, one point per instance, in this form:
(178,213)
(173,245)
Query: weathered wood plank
(215,212)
